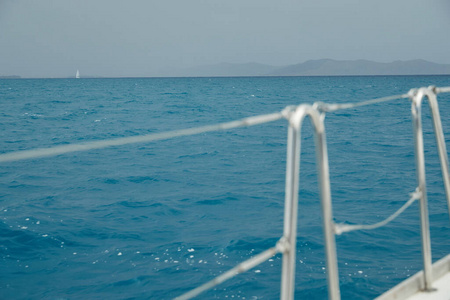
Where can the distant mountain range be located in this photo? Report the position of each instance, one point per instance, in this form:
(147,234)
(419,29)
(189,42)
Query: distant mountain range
(321,67)
(10,77)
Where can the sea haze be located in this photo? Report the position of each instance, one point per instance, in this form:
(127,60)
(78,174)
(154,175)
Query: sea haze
(154,220)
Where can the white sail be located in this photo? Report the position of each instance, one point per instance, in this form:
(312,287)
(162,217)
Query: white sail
(78,74)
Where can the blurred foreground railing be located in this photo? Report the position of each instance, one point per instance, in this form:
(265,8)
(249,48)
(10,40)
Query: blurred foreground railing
(287,244)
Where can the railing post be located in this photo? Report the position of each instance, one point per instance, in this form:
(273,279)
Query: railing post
(440,141)
(420,172)
(327,212)
(290,214)
(291,201)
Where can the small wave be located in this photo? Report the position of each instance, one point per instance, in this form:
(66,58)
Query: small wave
(134,204)
(111,181)
(17,243)
(253,244)
(140,179)
(209,202)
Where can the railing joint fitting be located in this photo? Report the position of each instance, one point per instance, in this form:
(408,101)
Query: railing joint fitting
(282,245)
(288,111)
(337,228)
(322,108)
(416,194)
(412,93)
(433,89)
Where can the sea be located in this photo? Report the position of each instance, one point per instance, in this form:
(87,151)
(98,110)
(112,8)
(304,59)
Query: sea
(154,220)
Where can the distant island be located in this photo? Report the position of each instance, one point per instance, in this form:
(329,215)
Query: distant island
(10,77)
(320,67)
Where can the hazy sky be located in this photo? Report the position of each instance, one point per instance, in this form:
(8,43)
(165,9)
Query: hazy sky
(50,38)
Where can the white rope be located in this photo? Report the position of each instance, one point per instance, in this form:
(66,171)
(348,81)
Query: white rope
(324,107)
(42,152)
(443,90)
(240,268)
(53,151)
(341,228)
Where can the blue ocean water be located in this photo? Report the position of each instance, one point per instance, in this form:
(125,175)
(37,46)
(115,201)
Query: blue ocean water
(154,220)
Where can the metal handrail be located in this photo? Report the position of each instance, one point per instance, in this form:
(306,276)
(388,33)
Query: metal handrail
(291,201)
(316,113)
(416,98)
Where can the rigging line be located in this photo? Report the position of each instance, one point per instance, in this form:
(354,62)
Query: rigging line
(341,228)
(240,268)
(325,107)
(53,151)
(442,90)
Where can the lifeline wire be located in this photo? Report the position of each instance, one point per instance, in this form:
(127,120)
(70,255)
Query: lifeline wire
(341,228)
(53,151)
(325,107)
(443,90)
(240,268)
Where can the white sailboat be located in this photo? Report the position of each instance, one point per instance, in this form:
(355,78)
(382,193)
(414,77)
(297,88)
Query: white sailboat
(78,74)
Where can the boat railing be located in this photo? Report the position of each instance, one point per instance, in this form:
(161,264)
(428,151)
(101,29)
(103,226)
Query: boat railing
(286,245)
